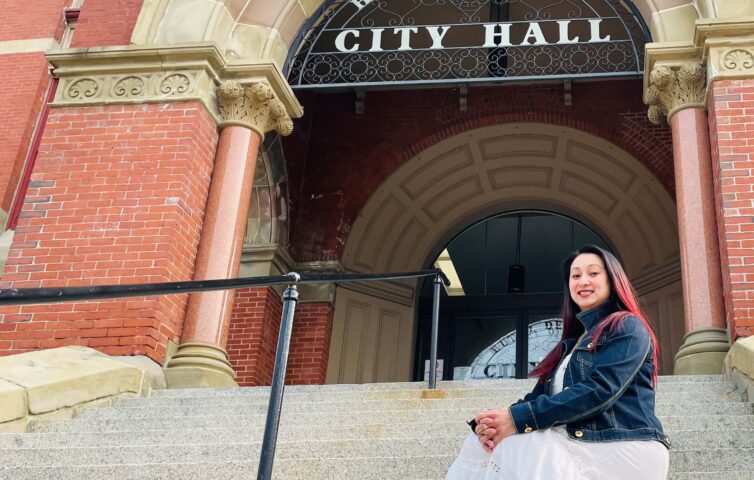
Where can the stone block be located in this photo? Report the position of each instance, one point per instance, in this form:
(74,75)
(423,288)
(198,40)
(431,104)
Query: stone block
(13,401)
(155,371)
(64,377)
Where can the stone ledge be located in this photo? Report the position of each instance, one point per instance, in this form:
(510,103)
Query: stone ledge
(48,382)
(739,366)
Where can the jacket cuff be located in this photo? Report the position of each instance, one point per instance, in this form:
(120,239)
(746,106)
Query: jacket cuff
(523,417)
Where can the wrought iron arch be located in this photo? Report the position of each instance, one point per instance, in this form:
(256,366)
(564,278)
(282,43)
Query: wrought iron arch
(384,54)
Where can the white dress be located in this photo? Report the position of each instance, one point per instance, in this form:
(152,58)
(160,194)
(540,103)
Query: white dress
(550,454)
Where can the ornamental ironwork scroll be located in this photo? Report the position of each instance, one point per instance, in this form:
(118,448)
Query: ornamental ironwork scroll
(383,42)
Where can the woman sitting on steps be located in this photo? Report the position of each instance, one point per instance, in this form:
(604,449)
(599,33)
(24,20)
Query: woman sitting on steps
(591,414)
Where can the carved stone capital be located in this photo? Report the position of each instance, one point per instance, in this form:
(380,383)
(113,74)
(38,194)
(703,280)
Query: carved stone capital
(673,88)
(255,106)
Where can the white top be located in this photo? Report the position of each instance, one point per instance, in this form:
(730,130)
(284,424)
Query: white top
(557,380)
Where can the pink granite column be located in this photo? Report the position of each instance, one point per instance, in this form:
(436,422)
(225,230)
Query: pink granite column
(248,112)
(705,344)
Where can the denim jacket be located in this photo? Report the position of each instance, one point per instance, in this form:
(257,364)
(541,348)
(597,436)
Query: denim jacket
(607,393)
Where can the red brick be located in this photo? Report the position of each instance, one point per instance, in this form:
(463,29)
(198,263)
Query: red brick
(732,160)
(78,244)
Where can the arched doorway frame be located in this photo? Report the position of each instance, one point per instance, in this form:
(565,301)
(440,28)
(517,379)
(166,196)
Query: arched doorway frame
(598,184)
(248,31)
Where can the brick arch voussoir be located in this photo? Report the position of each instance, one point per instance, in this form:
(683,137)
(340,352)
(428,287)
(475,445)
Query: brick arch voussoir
(643,144)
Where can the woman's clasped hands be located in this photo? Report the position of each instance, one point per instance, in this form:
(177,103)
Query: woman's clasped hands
(493,426)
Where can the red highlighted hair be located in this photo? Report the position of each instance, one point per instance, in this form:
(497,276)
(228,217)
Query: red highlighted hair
(622,293)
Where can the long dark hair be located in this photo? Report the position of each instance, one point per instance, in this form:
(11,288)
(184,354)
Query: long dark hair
(621,293)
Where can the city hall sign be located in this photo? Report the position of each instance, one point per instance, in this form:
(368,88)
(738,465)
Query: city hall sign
(381,42)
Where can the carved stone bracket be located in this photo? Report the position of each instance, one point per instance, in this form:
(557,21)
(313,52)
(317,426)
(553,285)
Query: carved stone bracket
(255,106)
(673,88)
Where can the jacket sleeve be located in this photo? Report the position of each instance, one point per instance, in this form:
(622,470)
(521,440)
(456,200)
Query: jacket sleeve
(616,363)
(538,390)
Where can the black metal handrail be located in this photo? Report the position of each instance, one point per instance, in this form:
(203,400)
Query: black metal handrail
(30,296)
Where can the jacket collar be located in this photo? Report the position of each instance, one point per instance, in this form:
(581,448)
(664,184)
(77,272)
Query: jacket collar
(590,318)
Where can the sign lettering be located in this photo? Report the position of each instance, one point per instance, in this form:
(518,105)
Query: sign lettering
(496,35)
(387,42)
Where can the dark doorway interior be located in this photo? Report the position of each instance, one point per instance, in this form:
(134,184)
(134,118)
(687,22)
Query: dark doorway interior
(500,317)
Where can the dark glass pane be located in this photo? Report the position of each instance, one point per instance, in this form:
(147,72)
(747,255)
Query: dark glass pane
(544,332)
(487,345)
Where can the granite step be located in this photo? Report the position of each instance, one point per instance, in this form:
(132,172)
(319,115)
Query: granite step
(127,433)
(692,466)
(469,405)
(700,458)
(360,431)
(229,418)
(682,439)
(394,421)
(676,393)
(701,381)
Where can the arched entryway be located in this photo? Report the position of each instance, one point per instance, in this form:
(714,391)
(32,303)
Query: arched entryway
(456,183)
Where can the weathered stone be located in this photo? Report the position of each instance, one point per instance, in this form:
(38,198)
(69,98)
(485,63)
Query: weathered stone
(13,401)
(64,377)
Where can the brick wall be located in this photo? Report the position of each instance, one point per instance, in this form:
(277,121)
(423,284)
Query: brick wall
(310,344)
(106,22)
(26,80)
(117,196)
(731,120)
(253,335)
(20,106)
(349,155)
(37,19)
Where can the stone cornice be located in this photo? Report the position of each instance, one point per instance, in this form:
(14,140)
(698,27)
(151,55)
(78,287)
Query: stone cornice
(728,47)
(135,74)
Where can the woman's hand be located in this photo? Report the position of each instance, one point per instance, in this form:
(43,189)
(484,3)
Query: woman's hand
(493,426)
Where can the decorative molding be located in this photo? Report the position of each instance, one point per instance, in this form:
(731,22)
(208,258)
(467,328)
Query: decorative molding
(738,60)
(189,72)
(254,106)
(673,88)
(727,47)
(133,88)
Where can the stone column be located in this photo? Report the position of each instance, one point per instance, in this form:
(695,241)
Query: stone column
(677,92)
(247,112)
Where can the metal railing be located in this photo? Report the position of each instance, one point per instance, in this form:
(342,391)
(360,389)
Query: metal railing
(30,296)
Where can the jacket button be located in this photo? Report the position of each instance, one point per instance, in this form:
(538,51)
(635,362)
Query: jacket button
(579,433)
(590,345)
(528,430)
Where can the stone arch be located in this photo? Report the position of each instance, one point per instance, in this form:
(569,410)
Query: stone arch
(254,30)
(543,166)
(464,178)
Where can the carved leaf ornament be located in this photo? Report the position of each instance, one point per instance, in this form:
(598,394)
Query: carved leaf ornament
(84,88)
(255,106)
(738,60)
(672,88)
(129,87)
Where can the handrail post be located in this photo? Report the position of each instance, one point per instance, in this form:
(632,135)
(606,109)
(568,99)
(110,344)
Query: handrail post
(435,328)
(267,455)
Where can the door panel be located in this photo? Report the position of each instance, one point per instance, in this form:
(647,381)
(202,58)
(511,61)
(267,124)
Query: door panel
(372,339)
